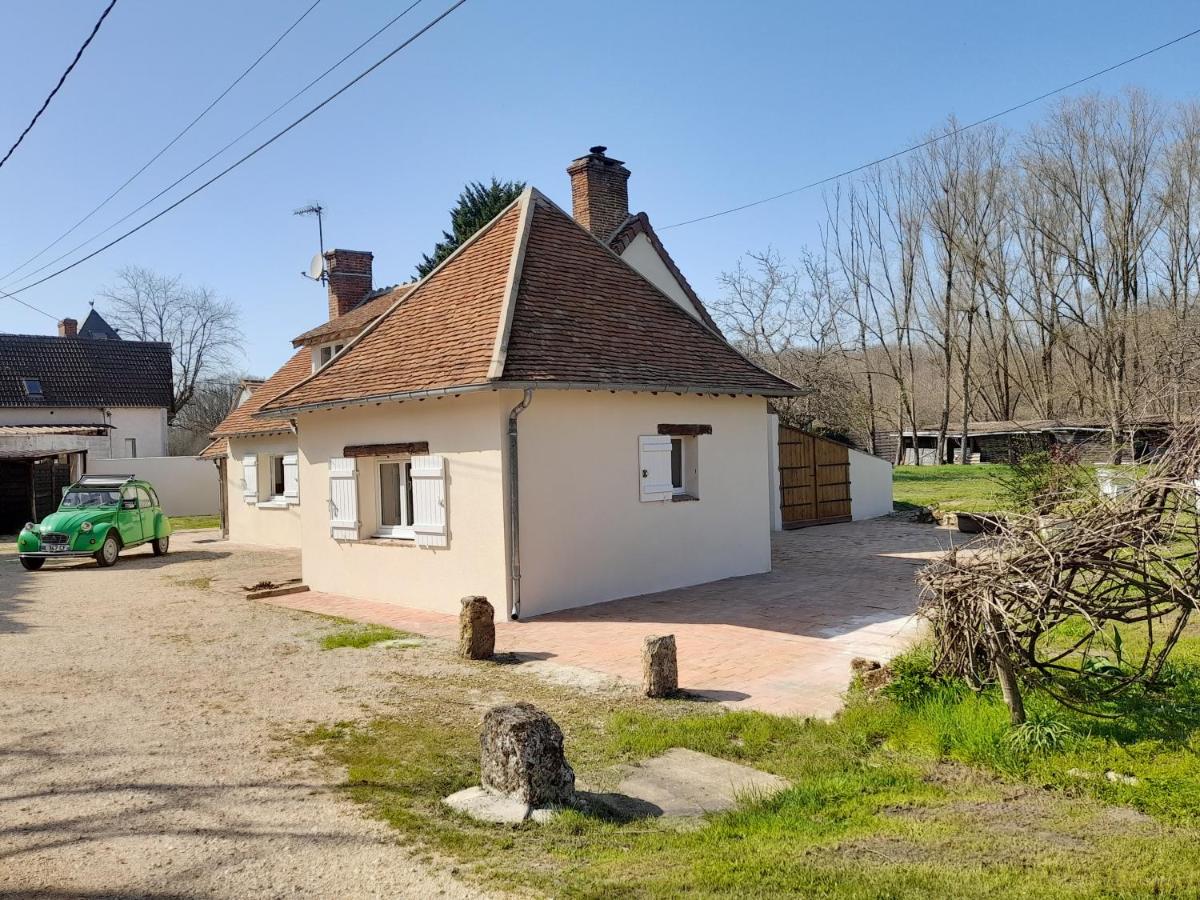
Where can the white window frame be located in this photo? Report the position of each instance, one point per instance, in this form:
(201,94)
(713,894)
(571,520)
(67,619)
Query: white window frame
(131,448)
(680,489)
(267,498)
(394,532)
(327,353)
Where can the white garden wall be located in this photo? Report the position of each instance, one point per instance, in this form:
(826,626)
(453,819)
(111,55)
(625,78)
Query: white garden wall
(870,486)
(186,486)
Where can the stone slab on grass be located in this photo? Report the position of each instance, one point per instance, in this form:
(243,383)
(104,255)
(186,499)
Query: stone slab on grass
(685,783)
(501,809)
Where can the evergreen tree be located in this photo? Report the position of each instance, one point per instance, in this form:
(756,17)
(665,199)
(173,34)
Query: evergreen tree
(477,205)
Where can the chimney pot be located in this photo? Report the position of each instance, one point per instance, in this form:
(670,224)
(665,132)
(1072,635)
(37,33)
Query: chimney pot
(68,328)
(350,278)
(599,192)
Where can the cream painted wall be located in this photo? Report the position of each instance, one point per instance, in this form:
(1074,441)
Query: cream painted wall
(642,256)
(251,523)
(586,536)
(467,431)
(148,425)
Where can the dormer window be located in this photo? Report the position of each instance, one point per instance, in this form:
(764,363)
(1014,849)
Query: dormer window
(33,388)
(324,355)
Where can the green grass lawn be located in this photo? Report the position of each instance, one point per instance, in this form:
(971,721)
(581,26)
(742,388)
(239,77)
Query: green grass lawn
(950,488)
(919,793)
(179,523)
(361,636)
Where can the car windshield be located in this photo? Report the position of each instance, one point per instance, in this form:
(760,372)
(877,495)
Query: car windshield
(79,499)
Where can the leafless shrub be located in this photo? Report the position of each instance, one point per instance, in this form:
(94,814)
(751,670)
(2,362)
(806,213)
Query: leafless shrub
(1105,560)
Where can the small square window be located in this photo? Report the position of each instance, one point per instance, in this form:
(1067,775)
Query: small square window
(33,388)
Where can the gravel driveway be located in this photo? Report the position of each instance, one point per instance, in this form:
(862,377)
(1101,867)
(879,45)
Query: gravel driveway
(142,708)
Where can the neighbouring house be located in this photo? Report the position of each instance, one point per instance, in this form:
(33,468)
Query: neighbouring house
(1009,440)
(84,393)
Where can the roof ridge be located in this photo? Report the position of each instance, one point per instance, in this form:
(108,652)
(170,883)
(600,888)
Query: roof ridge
(512,285)
(404,299)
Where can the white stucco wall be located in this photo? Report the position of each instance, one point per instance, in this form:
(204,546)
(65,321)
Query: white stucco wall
(147,425)
(186,486)
(467,432)
(870,486)
(642,256)
(252,523)
(587,537)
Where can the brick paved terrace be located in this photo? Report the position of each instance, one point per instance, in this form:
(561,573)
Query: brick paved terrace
(779,642)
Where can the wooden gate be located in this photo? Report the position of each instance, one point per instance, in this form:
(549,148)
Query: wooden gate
(814,479)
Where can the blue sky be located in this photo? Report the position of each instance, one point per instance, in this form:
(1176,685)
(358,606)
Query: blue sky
(711,104)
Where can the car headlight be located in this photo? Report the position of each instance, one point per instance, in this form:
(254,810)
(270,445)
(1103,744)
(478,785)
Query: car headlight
(85,526)
(31,526)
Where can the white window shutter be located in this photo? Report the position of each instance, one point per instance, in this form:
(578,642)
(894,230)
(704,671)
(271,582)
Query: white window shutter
(291,477)
(250,478)
(654,467)
(428,475)
(343,499)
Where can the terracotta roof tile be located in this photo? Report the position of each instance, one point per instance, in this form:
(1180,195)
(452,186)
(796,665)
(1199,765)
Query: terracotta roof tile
(241,420)
(354,321)
(218,449)
(442,333)
(584,315)
(581,315)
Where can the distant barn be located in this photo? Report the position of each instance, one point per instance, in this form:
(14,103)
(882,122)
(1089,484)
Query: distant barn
(1008,440)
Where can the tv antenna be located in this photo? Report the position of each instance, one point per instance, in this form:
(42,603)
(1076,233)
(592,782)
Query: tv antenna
(316,268)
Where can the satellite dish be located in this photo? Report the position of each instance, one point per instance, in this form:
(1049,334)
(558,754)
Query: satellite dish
(316,268)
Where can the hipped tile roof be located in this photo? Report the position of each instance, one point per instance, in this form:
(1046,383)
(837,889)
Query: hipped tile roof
(80,371)
(578,316)
(351,323)
(241,421)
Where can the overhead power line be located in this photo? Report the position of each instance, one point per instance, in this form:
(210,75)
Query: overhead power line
(196,168)
(62,78)
(29,306)
(937,138)
(171,143)
(268,142)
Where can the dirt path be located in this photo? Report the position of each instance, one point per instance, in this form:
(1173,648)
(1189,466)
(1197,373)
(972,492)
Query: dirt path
(140,708)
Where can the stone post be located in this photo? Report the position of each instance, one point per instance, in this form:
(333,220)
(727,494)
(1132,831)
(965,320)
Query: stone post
(521,756)
(660,670)
(476,629)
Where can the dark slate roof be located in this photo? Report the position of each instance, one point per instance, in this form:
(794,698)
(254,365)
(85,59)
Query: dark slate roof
(79,371)
(94,326)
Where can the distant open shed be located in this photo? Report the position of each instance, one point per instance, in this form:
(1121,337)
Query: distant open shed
(1006,441)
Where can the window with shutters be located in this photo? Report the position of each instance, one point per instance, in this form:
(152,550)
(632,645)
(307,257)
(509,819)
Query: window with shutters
(668,467)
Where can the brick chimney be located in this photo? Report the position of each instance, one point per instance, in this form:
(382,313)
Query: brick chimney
(68,328)
(599,192)
(350,279)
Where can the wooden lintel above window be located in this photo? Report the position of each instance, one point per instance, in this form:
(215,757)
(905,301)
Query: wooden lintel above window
(413,448)
(684,430)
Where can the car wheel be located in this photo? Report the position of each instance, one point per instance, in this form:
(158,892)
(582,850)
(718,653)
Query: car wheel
(108,552)
(32,563)
(160,545)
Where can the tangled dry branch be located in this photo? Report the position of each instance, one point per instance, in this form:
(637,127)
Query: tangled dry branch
(1054,600)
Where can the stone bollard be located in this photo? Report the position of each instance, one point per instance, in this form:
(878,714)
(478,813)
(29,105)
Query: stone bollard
(872,674)
(521,756)
(476,629)
(660,670)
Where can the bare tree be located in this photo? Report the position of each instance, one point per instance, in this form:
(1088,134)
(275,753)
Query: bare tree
(212,401)
(201,327)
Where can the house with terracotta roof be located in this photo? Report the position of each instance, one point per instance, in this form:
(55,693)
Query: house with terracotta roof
(549,418)
(257,458)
